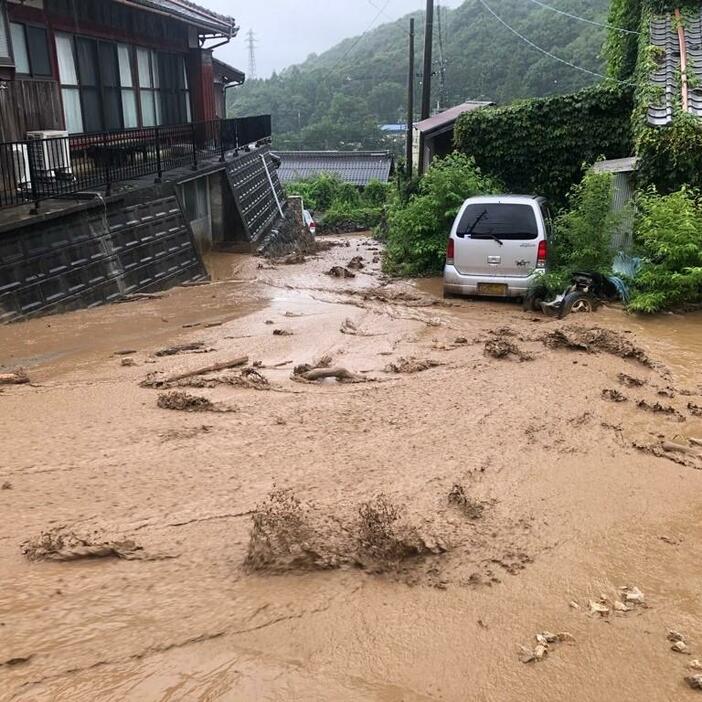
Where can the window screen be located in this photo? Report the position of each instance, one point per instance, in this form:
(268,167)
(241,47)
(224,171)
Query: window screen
(502,221)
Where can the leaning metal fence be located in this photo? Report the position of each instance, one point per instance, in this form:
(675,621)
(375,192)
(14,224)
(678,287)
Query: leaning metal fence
(41,168)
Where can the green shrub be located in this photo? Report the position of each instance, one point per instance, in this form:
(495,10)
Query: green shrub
(418,229)
(669,232)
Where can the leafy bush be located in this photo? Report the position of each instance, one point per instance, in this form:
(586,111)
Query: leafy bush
(544,146)
(669,231)
(418,228)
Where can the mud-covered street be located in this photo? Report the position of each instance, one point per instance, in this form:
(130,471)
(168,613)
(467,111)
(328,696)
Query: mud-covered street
(477,503)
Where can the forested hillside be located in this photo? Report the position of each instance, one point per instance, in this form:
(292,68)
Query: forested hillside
(337,99)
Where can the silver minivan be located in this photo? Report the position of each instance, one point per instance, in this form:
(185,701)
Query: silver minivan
(498,245)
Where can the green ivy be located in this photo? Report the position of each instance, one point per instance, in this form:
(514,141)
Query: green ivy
(544,146)
(622,48)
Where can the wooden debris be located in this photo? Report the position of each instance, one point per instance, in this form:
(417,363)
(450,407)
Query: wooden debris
(155,382)
(18,377)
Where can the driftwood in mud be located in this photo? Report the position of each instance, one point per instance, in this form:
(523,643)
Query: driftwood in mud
(680,448)
(135,297)
(18,377)
(338,373)
(152,382)
(180,348)
(60,545)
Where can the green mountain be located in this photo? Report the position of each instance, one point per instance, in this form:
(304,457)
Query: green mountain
(338,99)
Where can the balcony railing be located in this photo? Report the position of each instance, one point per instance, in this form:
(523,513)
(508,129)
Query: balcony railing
(49,166)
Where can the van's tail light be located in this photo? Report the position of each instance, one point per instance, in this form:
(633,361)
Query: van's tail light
(450,250)
(542,255)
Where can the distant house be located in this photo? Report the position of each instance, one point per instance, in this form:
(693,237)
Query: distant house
(225,76)
(356,167)
(434,136)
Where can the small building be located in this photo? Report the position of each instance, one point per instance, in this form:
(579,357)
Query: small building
(434,136)
(356,167)
(225,77)
(117,167)
(623,172)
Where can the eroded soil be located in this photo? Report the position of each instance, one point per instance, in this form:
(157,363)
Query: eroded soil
(404,496)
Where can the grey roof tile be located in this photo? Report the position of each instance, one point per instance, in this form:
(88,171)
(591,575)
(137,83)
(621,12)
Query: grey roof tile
(355,167)
(193,13)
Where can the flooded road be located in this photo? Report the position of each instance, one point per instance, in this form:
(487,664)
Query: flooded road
(399,538)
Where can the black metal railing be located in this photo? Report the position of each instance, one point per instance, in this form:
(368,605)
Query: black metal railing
(41,168)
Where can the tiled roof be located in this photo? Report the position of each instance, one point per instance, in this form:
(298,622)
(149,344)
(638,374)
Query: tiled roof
(192,13)
(448,117)
(355,167)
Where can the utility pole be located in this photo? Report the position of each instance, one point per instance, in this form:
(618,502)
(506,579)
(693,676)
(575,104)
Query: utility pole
(428,46)
(410,104)
(251,45)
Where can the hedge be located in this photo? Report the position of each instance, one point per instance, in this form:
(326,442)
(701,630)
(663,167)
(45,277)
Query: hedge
(544,146)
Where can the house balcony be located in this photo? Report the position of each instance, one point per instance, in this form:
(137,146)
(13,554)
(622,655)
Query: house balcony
(53,166)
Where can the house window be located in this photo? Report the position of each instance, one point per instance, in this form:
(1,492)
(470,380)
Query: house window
(30,46)
(149,87)
(70,89)
(175,89)
(129,105)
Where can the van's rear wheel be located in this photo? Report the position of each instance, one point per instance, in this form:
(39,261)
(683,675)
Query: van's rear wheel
(576,303)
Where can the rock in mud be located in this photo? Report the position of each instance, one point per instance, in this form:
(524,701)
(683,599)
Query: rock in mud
(184,402)
(340,272)
(632,595)
(613,395)
(675,636)
(128,362)
(62,545)
(470,507)
(18,377)
(630,381)
(694,681)
(500,347)
(292,259)
(411,365)
(7,485)
(679,647)
(356,264)
(695,410)
(599,608)
(282,332)
(594,339)
(535,655)
(695,665)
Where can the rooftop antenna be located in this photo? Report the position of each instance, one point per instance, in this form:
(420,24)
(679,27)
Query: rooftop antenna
(251,45)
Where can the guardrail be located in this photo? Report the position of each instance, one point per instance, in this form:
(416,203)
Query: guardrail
(41,168)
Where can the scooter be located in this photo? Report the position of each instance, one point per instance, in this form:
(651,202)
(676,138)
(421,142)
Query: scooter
(586,292)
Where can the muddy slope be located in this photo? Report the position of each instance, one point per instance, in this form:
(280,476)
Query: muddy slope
(402,532)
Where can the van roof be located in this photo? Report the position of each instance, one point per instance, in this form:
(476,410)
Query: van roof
(508,198)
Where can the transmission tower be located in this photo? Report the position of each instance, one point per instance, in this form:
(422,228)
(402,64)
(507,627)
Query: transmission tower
(251,45)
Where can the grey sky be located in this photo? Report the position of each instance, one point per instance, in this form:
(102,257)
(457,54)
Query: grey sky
(288,31)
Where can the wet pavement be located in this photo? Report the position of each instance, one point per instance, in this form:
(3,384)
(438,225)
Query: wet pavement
(568,496)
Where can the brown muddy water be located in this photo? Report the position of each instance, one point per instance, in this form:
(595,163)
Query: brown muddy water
(403,538)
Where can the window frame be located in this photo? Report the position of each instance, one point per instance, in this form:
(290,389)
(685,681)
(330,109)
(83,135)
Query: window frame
(9,60)
(32,73)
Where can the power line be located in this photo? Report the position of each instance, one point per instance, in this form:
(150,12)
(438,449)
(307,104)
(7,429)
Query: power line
(357,42)
(583,19)
(548,53)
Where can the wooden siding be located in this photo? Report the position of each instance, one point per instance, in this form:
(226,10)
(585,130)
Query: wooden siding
(28,105)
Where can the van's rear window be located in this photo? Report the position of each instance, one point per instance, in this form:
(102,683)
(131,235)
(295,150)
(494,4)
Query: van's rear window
(506,222)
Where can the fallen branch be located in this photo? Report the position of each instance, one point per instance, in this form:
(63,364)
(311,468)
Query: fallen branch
(18,377)
(338,373)
(152,382)
(680,448)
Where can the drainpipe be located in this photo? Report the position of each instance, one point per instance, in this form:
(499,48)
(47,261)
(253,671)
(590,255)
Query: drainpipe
(683,60)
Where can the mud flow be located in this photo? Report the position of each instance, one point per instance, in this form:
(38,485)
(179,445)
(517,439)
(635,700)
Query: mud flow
(304,481)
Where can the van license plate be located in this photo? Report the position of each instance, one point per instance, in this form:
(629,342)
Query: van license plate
(494,289)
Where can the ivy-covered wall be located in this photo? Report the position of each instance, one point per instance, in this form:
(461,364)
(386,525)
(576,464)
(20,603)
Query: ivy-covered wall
(543,146)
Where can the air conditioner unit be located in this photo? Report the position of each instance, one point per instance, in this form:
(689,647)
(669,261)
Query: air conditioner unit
(50,153)
(19,166)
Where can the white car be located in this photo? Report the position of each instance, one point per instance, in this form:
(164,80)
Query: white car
(309,221)
(498,245)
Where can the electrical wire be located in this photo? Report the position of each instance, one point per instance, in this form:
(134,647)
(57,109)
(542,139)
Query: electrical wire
(548,53)
(583,19)
(357,42)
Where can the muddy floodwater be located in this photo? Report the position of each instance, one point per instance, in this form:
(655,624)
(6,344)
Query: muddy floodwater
(288,485)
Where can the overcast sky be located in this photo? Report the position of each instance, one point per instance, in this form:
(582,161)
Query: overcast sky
(288,31)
